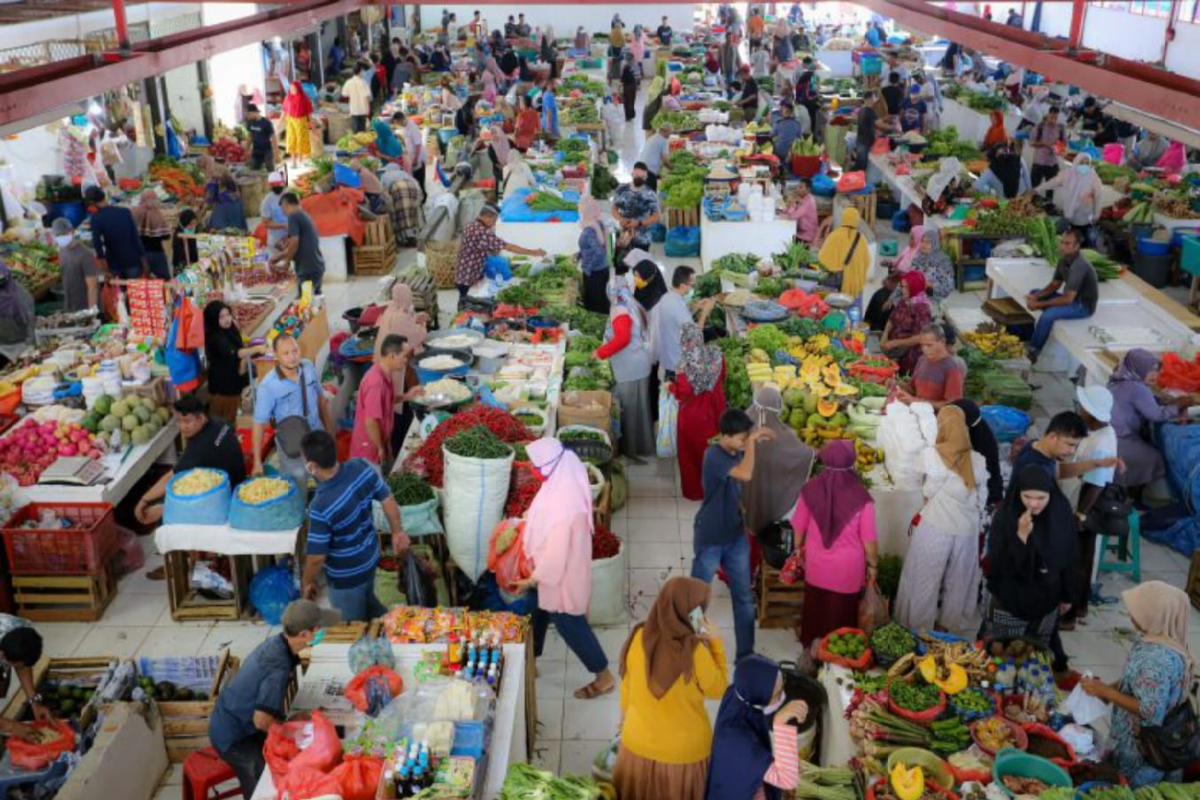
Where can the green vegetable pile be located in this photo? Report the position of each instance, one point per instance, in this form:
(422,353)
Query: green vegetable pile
(683,184)
(681,121)
(583,343)
(708,284)
(1106,268)
(525,782)
(893,641)
(576,359)
(585,380)
(1043,238)
(1111,173)
(976,101)
(740,263)
(603,182)
(520,294)
(737,380)
(684,195)
(573,149)
(1002,222)
(827,783)
(766,337)
(772,287)
(581,434)
(803,327)
(478,442)
(583,113)
(796,257)
(973,700)
(914,697)
(949,735)
(579,318)
(945,142)
(806,146)
(588,86)
(545,201)
(531,420)
(409,488)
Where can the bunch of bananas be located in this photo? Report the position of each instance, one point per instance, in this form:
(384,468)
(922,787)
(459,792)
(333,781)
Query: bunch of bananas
(257,491)
(997,344)
(365,137)
(197,481)
(866,456)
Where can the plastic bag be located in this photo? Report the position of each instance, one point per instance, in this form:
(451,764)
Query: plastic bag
(206,579)
(358,778)
(506,556)
(872,609)
(207,508)
(497,267)
(606,760)
(1084,708)
(853,181)
(665,431)
(416,582)
(35,756)
(307,783)
(282,748)
(271,590)
(371,651)
(357,690)
(793,568)
(417,520)
(682,240)
(131,556)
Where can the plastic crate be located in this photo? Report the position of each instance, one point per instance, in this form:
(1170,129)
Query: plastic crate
(1189,259)
(75,551)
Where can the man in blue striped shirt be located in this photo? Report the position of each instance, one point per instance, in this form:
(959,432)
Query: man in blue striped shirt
(341,528)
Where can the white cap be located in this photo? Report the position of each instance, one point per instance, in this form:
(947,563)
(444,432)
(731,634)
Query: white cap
(275,179)
(1096,400)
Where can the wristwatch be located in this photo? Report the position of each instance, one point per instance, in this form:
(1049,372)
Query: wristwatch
(37,699)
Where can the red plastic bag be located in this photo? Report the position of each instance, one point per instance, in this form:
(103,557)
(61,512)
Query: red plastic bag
(356,689)
(358,777)
(282,750)
(506,555)
(305,783)
(852,181)
(35,756)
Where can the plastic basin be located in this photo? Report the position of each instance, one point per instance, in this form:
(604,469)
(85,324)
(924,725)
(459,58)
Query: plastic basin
(1151,247)
(934,768)
(1023,765)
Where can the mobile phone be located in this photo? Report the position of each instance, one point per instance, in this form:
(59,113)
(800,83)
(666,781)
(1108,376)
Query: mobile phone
(696,618)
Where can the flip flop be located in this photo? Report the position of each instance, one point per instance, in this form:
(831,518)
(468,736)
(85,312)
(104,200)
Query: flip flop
(591,692)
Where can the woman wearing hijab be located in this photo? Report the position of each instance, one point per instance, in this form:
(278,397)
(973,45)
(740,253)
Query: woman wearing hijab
(637,47)
(226,353)
(983,441)
(888,295)
(1006,176)
(1134,414)
(754,756)
(386,140)
(528,123)
(834,523)
(943,558)
(1080,196)
(1157,677)
(558,542)
(700,389)
(932,262)
(781,468)
(627,349)
(902,334)
(847,253)
(943,188)
(670,665)
(517,175)
(154,230)
(16,316)
(401,318)
(1031,557)
(489,87)
(595,255)
(997,133)
(648,284)
(297,112)
(629,85)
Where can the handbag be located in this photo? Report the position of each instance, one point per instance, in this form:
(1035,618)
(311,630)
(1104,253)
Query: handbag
(1176,743)
(290,431)
(793,568)
(1109,515)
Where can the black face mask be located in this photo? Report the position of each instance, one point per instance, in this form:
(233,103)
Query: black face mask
(639,183)
(277,189)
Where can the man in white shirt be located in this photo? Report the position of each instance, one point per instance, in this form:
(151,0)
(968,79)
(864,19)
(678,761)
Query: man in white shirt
(1083,479)
(358,91)
(654,153)
(668,317)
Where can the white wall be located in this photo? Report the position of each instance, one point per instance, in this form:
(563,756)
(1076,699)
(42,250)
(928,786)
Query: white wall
(32,154)
(1183,54)
(183,95)
(1132,36)
(229,70)
(566,18)
(76,25)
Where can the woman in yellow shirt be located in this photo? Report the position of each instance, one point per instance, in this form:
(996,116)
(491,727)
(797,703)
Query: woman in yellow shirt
(671,664)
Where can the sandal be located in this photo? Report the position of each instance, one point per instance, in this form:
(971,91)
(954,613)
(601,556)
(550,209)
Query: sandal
(157,574)
(593,690)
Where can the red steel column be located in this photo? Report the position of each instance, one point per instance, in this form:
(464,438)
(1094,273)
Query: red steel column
(122,28)
(1078,12)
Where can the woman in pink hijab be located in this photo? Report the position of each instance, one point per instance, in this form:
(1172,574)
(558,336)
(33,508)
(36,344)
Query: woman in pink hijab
(558,541)
(887,296)
(489,88)
(1174,160)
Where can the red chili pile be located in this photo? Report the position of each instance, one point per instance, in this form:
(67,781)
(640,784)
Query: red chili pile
(521,491)
(427,460)
(604,543)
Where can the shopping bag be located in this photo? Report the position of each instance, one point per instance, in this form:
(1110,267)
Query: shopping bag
(852,181)
(665,429)
(1084,708)
(872,609)
(793,568)
(373,688)
(416,582)
(282,749)
(35,756)
(358,777)
(308,783)
(506,556)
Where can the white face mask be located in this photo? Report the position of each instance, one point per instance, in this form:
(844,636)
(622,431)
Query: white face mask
(778,704)
(63,241)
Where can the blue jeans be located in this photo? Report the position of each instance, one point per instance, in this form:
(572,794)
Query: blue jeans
(735,558)
(1041,332)
(576,632)
(357,603)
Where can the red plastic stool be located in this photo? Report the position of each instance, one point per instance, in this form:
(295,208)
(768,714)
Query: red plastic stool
(203,774)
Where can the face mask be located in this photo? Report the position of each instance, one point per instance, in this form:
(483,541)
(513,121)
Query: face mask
(639,183)
(277,189)
(767,710)
(63,241)
(1081,169)
(318,637)
(690,296)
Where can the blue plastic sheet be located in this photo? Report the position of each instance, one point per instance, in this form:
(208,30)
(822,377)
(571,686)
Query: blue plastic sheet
(683,241)
(514,209)
(271,590)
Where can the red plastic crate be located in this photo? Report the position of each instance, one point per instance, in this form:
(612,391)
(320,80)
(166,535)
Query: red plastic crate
(75,551)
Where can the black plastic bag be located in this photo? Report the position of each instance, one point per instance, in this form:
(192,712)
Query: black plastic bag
(416,582)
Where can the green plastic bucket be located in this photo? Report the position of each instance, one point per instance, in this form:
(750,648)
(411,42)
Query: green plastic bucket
(1023,765)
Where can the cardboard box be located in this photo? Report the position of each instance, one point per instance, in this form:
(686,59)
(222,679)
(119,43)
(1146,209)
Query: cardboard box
(128,759)
(586,408)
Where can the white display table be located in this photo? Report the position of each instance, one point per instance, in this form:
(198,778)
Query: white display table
(556,238)
(836,63)
(973,125)
(224,540)
(905,189)
(122,470)
(329,670)
(760,238)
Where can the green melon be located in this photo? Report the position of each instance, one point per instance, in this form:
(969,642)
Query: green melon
(103,405)
(110,423)
(120,408)
(163,415)
(149,403)
(142,413)
(90,423)
(129,422)
(141,435)
(153,426)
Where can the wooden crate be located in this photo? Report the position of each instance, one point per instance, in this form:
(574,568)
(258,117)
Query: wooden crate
(185,722)
(686,217)
(1193,581)
(57,670)
(188,606)
(64,598)
(779,603)
(865,203)
(376,255)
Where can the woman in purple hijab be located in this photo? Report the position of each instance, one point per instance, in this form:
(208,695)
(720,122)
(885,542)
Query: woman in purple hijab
(1135,410)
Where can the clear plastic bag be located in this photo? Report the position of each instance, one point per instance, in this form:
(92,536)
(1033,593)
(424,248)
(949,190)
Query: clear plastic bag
(1084,708)
(371,651)
(872,609)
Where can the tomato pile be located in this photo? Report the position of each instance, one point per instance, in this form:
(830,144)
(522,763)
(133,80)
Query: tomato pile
(427,459)
(604,543)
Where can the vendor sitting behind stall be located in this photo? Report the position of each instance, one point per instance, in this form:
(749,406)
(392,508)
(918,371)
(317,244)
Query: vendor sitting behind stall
(342,540)
(184,249)
(256,696)
(1134,414)
(478,242)
(939,376)
(1077,300)
(208,443)
(77,265)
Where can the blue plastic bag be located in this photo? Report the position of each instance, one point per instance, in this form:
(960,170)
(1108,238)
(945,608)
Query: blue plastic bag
(497,267)
(682,241)
(1007,423)
(206,508)
(346,176)
(658,233)
(823,185)
(901,222)
(271,590)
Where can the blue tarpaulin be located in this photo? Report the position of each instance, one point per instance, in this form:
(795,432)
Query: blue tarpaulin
(514,209)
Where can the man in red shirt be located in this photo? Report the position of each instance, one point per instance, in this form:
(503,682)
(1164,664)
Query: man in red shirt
(374,414)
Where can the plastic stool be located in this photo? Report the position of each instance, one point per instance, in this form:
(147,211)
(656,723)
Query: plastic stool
(203,774)
(1130,561)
